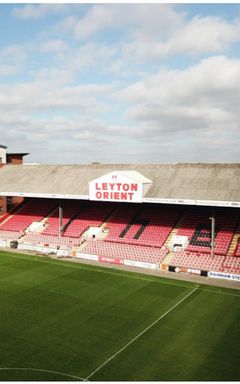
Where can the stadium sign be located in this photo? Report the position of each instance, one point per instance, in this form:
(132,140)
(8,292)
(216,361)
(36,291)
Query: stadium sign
(129,186)
(111,260)
(140,264)
(224,275)
(86,256)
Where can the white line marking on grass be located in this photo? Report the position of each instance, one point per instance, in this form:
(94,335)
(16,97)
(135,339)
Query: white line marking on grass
(41,370)
(140,334)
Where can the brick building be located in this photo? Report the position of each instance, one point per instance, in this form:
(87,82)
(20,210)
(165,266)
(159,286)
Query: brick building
(7,203)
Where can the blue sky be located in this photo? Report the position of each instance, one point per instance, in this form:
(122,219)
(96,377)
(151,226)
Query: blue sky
(116,83)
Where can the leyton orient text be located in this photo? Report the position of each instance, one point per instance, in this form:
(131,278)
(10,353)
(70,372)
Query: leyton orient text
(115,191)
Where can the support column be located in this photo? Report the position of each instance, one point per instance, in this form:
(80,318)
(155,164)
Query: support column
(3,205)
(60,219)
(212,218)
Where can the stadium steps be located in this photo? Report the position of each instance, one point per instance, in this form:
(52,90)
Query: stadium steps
(168,258)
(234,241)
(104,232)
(174,231)
(45,219)
(82,246)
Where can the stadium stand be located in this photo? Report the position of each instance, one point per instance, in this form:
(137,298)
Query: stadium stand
(201,261)
(93,214)
(69,210)
(149,225)
(196,225)
(48,240)
(231,265)
(172,199)
(74,223)
(125,251)
(237,251)
(9,235)
(133,232)
(33,210)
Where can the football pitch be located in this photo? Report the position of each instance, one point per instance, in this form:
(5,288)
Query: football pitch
(63,321)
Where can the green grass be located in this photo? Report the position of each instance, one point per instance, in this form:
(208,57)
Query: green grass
(69,318)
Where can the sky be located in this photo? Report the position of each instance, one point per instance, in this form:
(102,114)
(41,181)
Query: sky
(120,83)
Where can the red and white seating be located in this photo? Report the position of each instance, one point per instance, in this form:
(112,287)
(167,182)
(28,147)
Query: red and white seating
(34,210)
(201,261)
(196,225)
(9,235)
(135,231)
(237,249)
(231,264)
(69,209)
(148,226)
(94,214)
(125,251)
(49,240)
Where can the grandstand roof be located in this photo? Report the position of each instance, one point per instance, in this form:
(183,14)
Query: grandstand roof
(179,183)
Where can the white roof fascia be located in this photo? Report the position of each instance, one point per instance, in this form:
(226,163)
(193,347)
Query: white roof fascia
(234,204)
(46,195)
(213,203)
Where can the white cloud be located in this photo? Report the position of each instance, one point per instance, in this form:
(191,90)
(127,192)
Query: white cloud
(54,46)
(7,70)
(107,83)
(67,24)
(12,59)
(51,90)
(157,30)
(194,37)
(37,11)
(206,34)
(91,56)
(99,17)
(211,75)
(133,19)
(173,110)
(191,103)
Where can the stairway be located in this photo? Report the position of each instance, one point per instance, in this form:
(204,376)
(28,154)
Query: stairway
(169,238)
(102,235)
(81,247)
(168,258)
(174,230)
(234,241)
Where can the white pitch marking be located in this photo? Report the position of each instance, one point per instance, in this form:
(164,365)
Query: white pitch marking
(41,370)
(139,335)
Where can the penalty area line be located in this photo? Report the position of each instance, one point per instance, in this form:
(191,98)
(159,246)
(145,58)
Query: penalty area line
(139,334)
